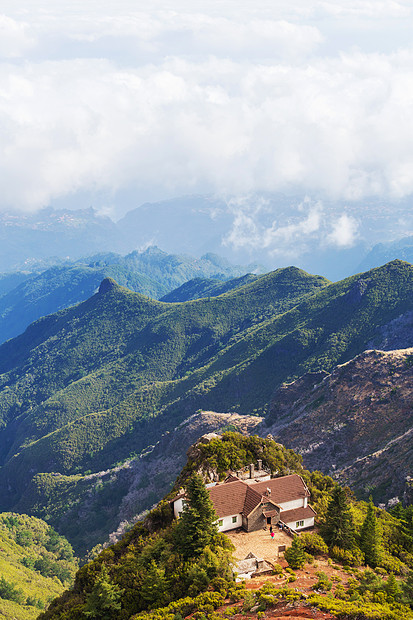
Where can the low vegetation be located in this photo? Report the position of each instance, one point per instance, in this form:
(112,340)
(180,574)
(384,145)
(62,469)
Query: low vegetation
(36,565)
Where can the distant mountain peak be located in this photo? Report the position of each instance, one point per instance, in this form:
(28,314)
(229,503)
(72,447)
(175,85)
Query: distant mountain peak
(107,285)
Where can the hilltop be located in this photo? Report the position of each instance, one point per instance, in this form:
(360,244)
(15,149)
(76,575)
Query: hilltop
(95,386)
(168,568)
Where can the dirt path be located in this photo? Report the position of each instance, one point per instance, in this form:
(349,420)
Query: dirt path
(259,543)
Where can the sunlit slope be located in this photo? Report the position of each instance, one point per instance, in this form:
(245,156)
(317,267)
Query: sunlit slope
(85,387)
(36,563)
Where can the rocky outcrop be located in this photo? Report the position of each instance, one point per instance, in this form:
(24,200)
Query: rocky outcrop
(355,423)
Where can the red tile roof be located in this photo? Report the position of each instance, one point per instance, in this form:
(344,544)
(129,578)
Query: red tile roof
(284,489)
(252,499)
(236,497)
(298,514)
(230,478)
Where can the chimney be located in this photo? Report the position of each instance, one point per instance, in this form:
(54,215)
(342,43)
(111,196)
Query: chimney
(268,491)
(252,470)
(259,464)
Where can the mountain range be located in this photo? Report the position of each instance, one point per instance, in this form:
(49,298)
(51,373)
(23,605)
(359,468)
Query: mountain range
(90,390)
(28,295)
(275,229)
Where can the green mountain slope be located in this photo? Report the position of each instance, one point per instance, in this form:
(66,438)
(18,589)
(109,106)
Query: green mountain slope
(202,287)
(92,385)
(151,273)
(84,388)
(36,563)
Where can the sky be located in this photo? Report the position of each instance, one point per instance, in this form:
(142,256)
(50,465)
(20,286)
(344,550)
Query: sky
(111,104)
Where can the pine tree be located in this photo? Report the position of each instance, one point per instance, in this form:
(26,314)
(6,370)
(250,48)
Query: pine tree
(392,588)
(338,528)
(295,555)
(408,589)
(154,586)
(197,526)
(103,602)
(370,537)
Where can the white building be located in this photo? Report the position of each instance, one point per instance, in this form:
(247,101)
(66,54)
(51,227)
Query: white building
(253,504)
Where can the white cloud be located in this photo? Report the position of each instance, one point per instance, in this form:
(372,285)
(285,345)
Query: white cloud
(15,38)
(341,127)
(233,98)
(344,232)
(253,229)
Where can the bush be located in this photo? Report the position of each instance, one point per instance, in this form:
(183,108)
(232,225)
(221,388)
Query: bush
(313,543)
(393,565)
(10,592)
(278,569)
(323,582)
(348,557)
(236,592)
(24,538)
(249,601)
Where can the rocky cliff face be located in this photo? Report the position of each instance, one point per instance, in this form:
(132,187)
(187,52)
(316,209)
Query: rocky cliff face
(110,500)
(355,423)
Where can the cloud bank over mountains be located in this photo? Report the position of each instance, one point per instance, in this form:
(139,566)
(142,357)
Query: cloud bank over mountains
(229,99)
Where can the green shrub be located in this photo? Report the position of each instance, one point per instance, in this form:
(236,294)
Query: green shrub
(277,570)
(349,557)
(393,565)
(313,543)
(249,601)
(323,582)
(236,592)
(10,592)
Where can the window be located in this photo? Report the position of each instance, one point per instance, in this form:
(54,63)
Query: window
(299,524)
(234,519)
(220,522)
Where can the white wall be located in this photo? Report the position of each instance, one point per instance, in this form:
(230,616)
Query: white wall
(295,503)
(227,523)
(307,523)
(178,507)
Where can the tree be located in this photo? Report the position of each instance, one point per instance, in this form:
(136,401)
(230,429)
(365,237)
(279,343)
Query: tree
(370,537)
(408,589)
(338,528)
(196,528)
(103,602)
(392,588)
(295,555)
(154,586)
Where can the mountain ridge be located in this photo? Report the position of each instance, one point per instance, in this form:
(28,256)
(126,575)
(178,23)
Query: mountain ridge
(116,372)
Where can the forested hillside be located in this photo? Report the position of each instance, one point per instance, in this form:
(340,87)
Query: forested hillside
(88,388)
(26,296)
(36,565)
